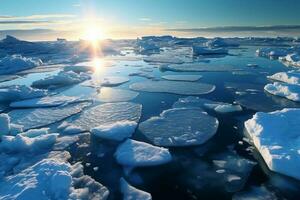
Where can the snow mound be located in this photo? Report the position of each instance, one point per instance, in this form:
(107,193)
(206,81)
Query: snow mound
(52,178)
(16,63)
(289,91)
(61,79)
(108,113)
(291,77)
(276,137)
(198,67)
(174,87)
(291,59)
(131,193)
(200,50)
(49,101)
(20,92)
(182,77)
(133,153)
(116,95)
(39,117)
(180,127)
(117,131)
(35,140)
(219,107)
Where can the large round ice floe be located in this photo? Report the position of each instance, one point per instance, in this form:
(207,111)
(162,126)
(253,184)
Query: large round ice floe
(107,114)
(110,81)
(174,87)
(180,127)
(131,193)
(116,95)
(182,77)
(276,136)
(291,77)
(132,153)
(289,91)
(39,117)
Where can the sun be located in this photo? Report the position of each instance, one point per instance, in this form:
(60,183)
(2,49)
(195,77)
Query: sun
(93,33)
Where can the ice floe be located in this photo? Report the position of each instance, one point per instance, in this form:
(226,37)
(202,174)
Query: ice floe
(39,117)
(289,91)
(132,153)
(221,42)
(61,79)
(111,81)
(291,60)
(49,101)
(272,52)
(163,59)
(174,87)
(200,50)
(20,92)
(276,137)
(116,95)
(16,63)
(108,113)
(291,77)
(131,193)
(198,67)
(182,77)
(69,128)
(206,104)
(180,127)
(142,74)
(117,131)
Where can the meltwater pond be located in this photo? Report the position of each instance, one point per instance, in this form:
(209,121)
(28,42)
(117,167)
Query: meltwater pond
(189,143)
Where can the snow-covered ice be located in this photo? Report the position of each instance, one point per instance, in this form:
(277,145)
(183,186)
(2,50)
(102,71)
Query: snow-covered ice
(39,117)
(111,81)
(221,42)
(131,193)
(108,113)
(291,59)
(20,92)
(117,131)
(49,101)
(289,91)
(116,95)
(291,77)
(61,79)
(276,137)
(4,124)
(180,127)
(174,87)
(219,107)
(16,63)
(132,153)
(182,77)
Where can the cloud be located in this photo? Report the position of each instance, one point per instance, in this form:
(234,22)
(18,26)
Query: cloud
(37,17)
(239,28)
(24,22)
(145,19)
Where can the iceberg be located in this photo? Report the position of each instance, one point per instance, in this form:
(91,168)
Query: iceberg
(191,78)
(39,117)
(290,77)
(200,50)
(61,79)
(131,193)
(173,87)
(49,101)
(20,92)
(219,107)
(180,127)
(276,141)
(116,95)
(289,91)
(133,153)
(15,63)
(108,113)
(117,131)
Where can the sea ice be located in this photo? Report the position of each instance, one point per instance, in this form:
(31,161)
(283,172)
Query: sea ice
(111,81)
(69,128)
(131,193)
(20,92)
(289,91)
(276,137)
(198,67)
(108,113)
(39,117)
(291,60)
(206,104)
(200,50)
(291,77)
(163,59)
(180,127)
(16,63)
(4,124)
(272,52)
(49,101)
(61,79)
(116,95)
(220,42)
(258,193)
(142,74)
(116,131)
(133,153)
(174,87)
(182,77)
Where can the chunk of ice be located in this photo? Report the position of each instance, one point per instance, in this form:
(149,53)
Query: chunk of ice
(182,77)
(291,77)
(199,67)
(131,193)
(289,91)
(20,92)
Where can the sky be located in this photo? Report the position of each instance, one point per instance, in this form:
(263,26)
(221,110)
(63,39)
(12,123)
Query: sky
(49,19)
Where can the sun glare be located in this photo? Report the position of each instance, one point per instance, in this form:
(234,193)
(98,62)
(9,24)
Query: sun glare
(93,34)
